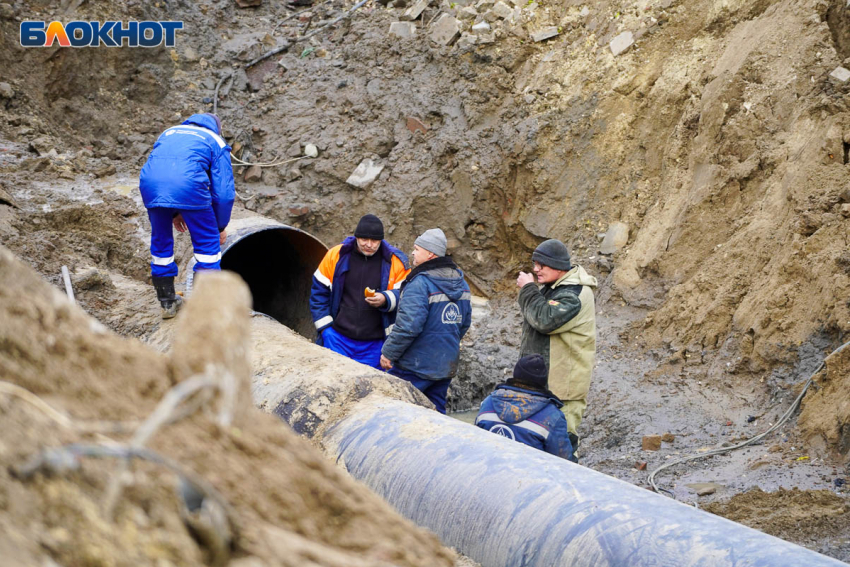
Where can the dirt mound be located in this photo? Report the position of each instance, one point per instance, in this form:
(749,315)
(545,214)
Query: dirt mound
(788,514)
(825,418)
(290,505)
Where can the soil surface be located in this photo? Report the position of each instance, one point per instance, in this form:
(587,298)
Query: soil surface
(719,139)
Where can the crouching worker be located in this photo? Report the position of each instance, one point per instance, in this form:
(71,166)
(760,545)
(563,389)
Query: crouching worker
(523,409)
(434,313)
(187,182)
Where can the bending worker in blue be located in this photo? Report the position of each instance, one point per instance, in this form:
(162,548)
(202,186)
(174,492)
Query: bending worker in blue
(351,320)
(523,409)
(188,182)
(434,313)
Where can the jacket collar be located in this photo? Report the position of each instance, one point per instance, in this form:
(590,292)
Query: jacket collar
(433,264)
(540,393)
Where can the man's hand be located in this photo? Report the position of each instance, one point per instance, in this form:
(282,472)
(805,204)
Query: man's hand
(377,300)
(523,279)
(222,236)
(385,363)
(179,223)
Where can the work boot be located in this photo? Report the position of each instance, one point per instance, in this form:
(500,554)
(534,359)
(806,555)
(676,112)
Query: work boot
(168,298)
(574,441)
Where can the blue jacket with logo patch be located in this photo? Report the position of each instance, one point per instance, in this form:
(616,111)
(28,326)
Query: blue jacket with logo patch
(434,313)
(530,417)
(189,169)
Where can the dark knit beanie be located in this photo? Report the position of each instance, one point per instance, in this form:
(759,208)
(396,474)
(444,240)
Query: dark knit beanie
(531,370)
(553,253)
(370,227)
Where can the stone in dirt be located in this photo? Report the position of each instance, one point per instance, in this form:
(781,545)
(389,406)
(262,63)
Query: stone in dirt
(481,28)
(616,237)
(445,30)
(311,151)
(414,125)
(621,43)
(6,90)
(544,34)
(365,174)
(6,199)
(651,443)
(248,3)
(253,173)
(840,74)
(41,145)
(294,150)
(105,171)
(297,211)
(668,437)
(415,10)
(467,13)
(704,488)
(467,40)
(503,11)
(403,29)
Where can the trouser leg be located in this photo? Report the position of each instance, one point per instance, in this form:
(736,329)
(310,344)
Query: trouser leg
(163,266)
(162,242)
(574,411)
(205,243)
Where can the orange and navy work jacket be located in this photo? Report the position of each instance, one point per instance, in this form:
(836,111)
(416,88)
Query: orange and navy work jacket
(329,279)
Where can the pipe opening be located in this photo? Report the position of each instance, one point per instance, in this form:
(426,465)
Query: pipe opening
(278,263)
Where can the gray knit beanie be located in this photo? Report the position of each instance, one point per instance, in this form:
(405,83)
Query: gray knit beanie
(433,240)
(553,253)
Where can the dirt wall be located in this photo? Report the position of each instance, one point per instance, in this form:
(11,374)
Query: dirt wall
(291,506)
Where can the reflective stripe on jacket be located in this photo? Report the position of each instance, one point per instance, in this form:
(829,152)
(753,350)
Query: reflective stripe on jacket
(526,416)
(329,279)
(189,168)
(434,313)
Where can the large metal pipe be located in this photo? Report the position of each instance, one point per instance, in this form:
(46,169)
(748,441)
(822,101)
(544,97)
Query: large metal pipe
(277,262)
(497,501)
(505,504)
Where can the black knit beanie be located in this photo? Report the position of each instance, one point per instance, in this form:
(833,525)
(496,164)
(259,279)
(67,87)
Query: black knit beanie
(553,253)
(531,370)
(370,227)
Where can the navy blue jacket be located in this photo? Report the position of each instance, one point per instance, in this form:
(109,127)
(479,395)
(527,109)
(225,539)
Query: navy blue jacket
(329,280)
(189,169)
(434,312)
(527,416)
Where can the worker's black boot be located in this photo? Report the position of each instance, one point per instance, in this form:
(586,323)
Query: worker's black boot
(168,298)
(574,441)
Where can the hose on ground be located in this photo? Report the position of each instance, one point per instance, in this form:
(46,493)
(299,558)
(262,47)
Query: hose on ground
(785,417)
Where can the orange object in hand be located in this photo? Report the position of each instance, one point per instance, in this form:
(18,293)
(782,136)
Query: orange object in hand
(369,292)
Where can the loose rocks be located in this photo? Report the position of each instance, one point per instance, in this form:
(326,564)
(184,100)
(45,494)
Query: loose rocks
(403,29)
(365,174)
(621,43)
(651,443)
(445,30)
